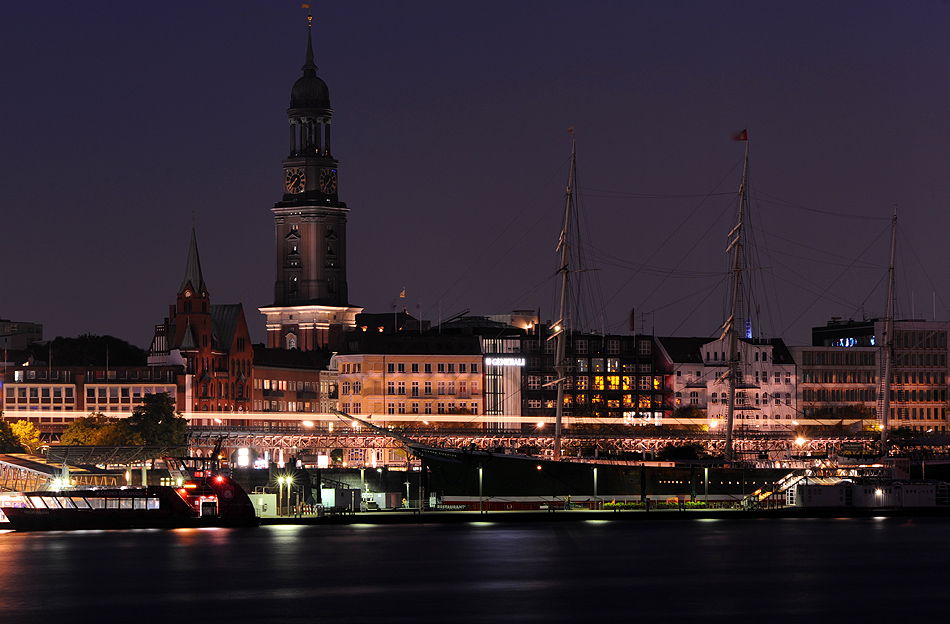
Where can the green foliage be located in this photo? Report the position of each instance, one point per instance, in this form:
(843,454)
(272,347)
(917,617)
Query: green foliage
(152,422)
(28,435)
(336,457)
(655,505)
(89,350)
(9,443)
(692,412)
(843,412)
(100,430)
(673,452)
(156,421)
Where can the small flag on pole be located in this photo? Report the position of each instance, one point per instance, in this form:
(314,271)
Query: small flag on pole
(570,130)
(402,295)
(304,6)
(742,136)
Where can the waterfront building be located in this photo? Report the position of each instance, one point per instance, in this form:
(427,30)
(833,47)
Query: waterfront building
(765,396)
(838,384)
(612,376)
(17,335)
(918,385)
(290,380)
(52,397)
(382,375)
(210,342)
(502,340)
(311,306)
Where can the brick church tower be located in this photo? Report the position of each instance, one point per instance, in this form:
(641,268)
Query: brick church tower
(211,342)
(311,306)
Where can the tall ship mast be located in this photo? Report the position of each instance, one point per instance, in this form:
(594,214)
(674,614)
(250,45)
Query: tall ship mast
(561,365)
(888,346)
(730,332)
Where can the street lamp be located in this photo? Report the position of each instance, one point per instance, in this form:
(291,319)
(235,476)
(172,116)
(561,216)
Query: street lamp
(280,495)
(480,508)
(595,489)
(290,482)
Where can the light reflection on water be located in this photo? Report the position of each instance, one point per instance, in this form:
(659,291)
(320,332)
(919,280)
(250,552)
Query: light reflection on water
(776,570)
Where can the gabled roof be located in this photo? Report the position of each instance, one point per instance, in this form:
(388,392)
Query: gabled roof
(684,350)
(224,322)
(188,340)
(690,350)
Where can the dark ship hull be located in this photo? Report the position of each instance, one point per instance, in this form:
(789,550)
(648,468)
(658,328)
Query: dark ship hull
(215,502)
(500,481)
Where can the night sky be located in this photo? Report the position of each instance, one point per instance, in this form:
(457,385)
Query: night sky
(123,122)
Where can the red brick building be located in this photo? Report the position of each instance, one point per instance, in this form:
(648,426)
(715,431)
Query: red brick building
(211,342)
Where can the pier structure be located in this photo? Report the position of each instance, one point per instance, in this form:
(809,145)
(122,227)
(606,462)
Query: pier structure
(365,447)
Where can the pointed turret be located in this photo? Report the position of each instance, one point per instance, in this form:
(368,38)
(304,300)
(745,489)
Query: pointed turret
(193,269)
(309,94)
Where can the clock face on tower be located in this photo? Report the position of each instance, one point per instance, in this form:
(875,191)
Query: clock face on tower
(295,180)
(328,181)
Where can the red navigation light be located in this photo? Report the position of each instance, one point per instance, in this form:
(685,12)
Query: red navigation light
(219,479)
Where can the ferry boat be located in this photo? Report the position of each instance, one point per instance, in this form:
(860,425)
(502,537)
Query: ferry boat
(213,502)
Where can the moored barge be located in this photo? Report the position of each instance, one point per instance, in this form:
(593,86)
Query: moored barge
(213,502)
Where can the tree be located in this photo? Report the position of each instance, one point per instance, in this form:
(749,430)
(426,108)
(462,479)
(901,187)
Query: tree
(28,435)
(100,430)
(85,431)
(9,443)
(89,350)
(156,421)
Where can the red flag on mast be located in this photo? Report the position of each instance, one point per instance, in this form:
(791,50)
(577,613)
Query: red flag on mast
(742,136)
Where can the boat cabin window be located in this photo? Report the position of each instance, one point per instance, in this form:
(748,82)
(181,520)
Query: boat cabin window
(80,502)
(125,503)
(138,503)
(37,502)
(152,503)
(96,503)
(112,503)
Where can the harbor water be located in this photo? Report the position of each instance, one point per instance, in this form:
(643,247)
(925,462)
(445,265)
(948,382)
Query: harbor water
(768,570)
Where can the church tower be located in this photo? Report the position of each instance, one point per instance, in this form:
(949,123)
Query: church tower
(311,305)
